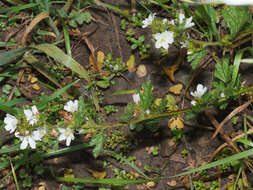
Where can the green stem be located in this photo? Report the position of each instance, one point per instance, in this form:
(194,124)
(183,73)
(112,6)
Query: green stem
(206,43)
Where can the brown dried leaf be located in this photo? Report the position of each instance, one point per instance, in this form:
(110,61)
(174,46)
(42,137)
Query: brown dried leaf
(176,89)
(34,22)
(176,123)
(170,70)
(131,64)
(96,174)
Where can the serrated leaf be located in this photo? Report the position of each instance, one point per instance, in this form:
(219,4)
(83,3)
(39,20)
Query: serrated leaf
(146,97)
(236,17)
(222,71)
(128,113)
(196,57)
(98,142)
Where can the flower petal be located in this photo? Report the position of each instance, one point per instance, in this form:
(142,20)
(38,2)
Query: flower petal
(32,142)
(24,143)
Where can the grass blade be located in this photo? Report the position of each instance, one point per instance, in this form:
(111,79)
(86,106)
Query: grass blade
(41,68)
(9,56)
(56,53)
(226,160)
(114,182)
(18,8)
(45,99)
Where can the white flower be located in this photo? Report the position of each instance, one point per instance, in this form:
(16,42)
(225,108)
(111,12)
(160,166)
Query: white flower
(29,139)
(148,21)
(66,134)
(11,123)
(165,21)
(136,98)
(188,21)
(201,90)
(164,39)
(172,22)
(147,111)
(71,106)
(194,102)
(116,67)
(222,95)
(184,44)
(238,2)
(32,115)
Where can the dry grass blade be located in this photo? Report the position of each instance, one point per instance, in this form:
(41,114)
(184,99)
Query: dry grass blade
(232,114)
(34,22)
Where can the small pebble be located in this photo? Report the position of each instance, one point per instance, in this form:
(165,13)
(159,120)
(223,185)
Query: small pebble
(141,71)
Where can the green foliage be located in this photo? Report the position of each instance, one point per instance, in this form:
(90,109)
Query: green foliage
(208,15)
(236,17)
(146,97)
(195,57)
(77,18)
(123,24)
(128,113)
(155,151)
(223,70)
(110,109)
(98,142)
(200,185)
(177,134)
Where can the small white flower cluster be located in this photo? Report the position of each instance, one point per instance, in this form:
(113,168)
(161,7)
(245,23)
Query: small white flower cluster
(67,133)
(33,133)
(30,137)
(200,91)
(137,99)
(166,38)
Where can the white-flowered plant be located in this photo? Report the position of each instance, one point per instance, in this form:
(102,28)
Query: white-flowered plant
(148,21)
(164,39)
(32,115)
(136,98)
(227,2)
(71,106)
(29,138)
(66,134)
(200,91)
(222,95)
(186,21)
(11,123)
(194,102)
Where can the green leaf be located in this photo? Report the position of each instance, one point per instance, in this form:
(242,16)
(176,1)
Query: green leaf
(223,70)
(208,15)
(237,62)
(146,97)
(236,17)
(196,57)
(98,142)
(56,53)
(29,58)
(103,83)
(9,56)
(131,164)
(128,113)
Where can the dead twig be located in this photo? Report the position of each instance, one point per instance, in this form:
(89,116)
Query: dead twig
(232,114)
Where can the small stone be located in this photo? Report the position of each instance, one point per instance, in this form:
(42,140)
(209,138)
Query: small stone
(141,71)
(150,184)
(172,183)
